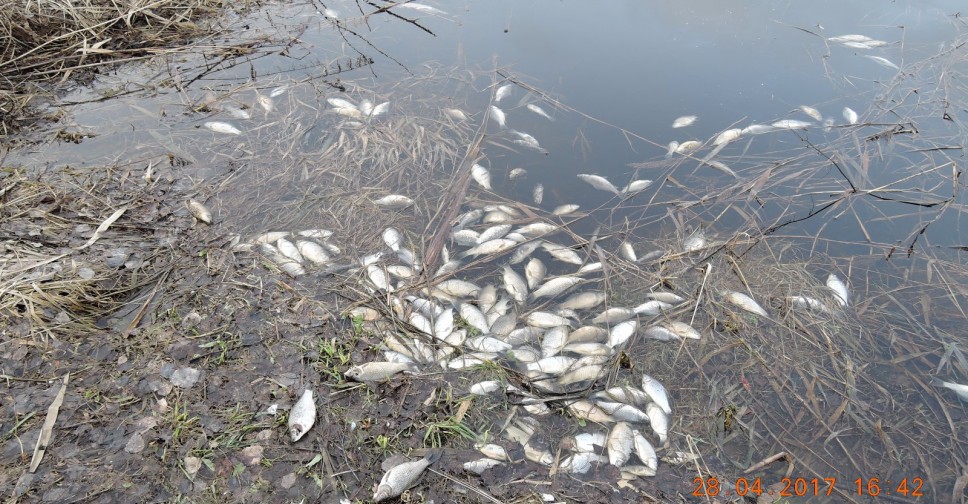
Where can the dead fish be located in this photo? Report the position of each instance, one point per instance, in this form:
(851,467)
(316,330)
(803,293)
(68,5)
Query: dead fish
(312,251)
(487,344)
(719,165)
(728,136)
(583,300)
(672,330)
(330,14)
(556,286)
(524,251)
(352,113)
(563,210)
(682,122)
(667,297)
(496,452)
(758,129)
(791,124)
(481,176)
(839,288)
(598,182)
(395,201)
(540,111)
(517,173)
(321,234)
(849,38)
(562,253)
(493,233)
(199,211)
(302,416)
(374,371)
(528,141)
(222,127)
(588,442)
(554,341)
(403,476)
(236,112)
(624,412)
(588,349)
(613,315)
(490,247)
(289,250)
(625,395)
(850,116)
(644,450)
(466,237)
(960,390)
(458,288)
(651,308)
(392,238)
(534,272)
(538,229)
(636,186)
(266,103)
(688,146)
(659,420)
(339,103)
(515,285)
(671,149)
(884,62)
(657,392)
(695,241)
(546,320)
(580,463)
(378,277)
(619,444)
(499,116)
(380,109)
(480,465)
(538,194)
(502,92)
(622,332)
(589,411)
(745,302)
(455,114)
(627,252)
(812,112)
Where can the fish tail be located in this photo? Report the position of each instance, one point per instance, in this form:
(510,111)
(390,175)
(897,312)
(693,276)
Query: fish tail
(433,455)
(938,383)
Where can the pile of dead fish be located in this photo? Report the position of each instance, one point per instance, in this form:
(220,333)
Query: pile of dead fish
(291,252)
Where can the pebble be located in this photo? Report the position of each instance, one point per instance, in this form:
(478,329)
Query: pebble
(185,377)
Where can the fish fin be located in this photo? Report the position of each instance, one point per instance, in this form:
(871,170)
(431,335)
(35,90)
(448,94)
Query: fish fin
(433,455)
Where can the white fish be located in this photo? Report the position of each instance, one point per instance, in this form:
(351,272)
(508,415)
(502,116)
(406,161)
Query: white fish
(538,229)
(688,146)
(466,237)
(556,286)
(659,420)
(588,442)
(636,186)
(882,61)
(340,103)
(580,463)
(302,416)
(583,300)
(312,251)
(745,302)
(627,252)
(791,124)
(624,412)
(626,395)
(553,365)
(540,111)
(534,272)
(719,165)
(538,194)
(671,149)
(222,127)
(375,371)
(330,14)
(850,116)
(199,211)
(644,450)
(812,112)
(378,276)
(499,116)
(420,7)
(396,201)
(524,251)
(493,233)
(321,234)
(758,129)
(563,210)
(458,288)
(613,315)
(681,330)
(517,173)
(598,182)
(491,247)
(957,388)
(493,451)
(682,122)
(809,303)
(528,141)
(278,90)
(545,320)
(728,136)
(553,341)
(651,308)
(366,107)
(515,285)
(695,241)
(474,317)
(502,92)
(482,176)
(266,103)
(289,250)
(619,444)
(237,112)
(870,44)
(487,344)
(380,109)
(657,392)
(392,238)
(403,476)
(480,465)
(455,114)
(352,113)
(839,288)
(622,332)
(562,253)
(850,38)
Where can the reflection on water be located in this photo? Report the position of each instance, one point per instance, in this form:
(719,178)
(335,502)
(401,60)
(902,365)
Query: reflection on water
(613,78)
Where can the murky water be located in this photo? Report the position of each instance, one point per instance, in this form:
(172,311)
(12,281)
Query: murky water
(614,77)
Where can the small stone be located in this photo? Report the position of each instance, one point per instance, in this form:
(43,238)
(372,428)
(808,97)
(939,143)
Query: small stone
(264,435)
(252,455)
(85,273)
(136,443)
(287,481)
(62,318)
(185,377)
(162,405)
(192,465)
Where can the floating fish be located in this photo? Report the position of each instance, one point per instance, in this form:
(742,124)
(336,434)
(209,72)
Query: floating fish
(688,146)
(455,114)
(622,332)
(420,7)
(379,109)
(499,116)
(394,201)
(839,288)
(490,247)
(758,129)
(671,149)
(745,302)
(405,475)
(695,241)
(684,121)
(719,165)
(791,124)
(237,112)
(340,103)
(312,251)
(538,194)
(636,186)
(627,252)
(515,285)
(540,111)
(849,38)
(850,116)
(657,392)
(517,173)
(957,388)
(583,300)
(502,92)
(528,141)
(330,14)
(882,61)
(493,233)
(598,182)
(556,286)
(482,176)
(199,211)
(266,103)
(302,416)
(812,112)
(563,210)
(535,272)
(289,250)
(222,127)
(727,136)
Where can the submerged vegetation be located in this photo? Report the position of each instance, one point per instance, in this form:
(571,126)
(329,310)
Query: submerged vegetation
(778,359)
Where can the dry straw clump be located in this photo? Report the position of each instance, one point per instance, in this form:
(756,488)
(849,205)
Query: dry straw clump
(43,42)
